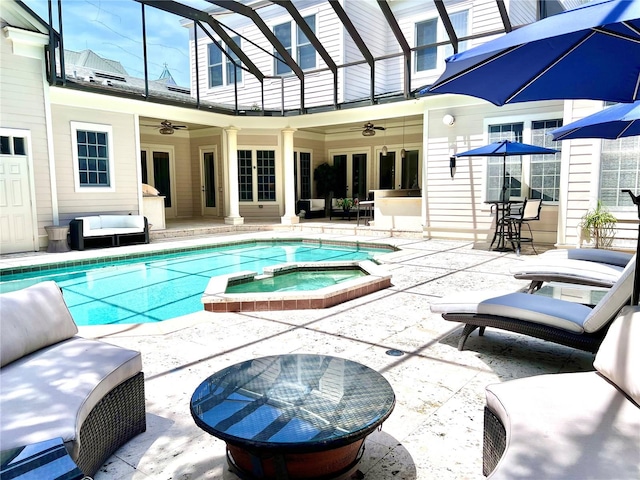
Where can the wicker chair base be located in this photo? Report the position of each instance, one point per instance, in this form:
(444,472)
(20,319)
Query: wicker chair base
(494,442)
(589,342)
(118,417)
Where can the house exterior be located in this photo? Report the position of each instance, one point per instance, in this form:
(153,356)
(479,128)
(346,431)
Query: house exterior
(255,132)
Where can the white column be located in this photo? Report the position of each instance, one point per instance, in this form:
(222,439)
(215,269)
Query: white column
(234,217)
(290,216)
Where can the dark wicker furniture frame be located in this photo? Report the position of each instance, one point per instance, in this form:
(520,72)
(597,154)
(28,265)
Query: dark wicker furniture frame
(589,342)
(78,241)
(494,442)
(118,417)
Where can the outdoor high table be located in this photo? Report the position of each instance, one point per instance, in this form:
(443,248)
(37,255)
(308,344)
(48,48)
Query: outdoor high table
(502,229)
(293,416)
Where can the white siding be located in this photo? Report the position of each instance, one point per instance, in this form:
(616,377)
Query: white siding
(124,199)
(23,107)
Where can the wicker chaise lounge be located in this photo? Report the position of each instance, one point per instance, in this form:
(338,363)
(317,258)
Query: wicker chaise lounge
(559,321)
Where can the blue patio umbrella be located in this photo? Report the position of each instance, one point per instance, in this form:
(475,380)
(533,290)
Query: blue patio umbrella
(617,121)
(504,149)
(591,52)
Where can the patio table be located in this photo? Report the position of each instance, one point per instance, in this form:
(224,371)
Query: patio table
(293,416)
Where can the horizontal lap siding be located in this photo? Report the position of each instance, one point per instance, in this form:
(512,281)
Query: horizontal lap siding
(22,100)
(455,207)
(125,197)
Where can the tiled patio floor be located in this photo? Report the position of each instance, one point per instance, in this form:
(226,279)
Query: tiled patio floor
(435,431)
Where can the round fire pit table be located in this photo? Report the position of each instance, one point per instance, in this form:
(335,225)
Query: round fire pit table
(293,416)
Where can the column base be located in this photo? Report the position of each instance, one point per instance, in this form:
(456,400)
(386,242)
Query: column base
(290,220)
(234,220)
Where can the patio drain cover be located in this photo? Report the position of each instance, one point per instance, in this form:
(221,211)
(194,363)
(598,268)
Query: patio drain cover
(394,353)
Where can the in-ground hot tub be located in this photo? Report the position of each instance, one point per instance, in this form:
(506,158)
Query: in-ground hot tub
(300,286)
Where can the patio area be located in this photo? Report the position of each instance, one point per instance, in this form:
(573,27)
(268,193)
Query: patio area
(436,428)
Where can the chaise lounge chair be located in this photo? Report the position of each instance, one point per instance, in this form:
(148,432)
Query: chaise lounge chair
(559,321)
(593,267)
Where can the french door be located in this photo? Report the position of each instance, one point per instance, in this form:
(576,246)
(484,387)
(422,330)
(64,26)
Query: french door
(157,165)
(209,175)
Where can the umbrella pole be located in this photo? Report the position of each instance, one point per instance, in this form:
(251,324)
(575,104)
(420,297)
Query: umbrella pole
(504,179)
(636,279)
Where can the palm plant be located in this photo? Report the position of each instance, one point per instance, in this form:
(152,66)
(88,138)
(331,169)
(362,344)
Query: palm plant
(599,225)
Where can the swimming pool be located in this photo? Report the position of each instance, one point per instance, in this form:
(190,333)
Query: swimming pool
(157,287)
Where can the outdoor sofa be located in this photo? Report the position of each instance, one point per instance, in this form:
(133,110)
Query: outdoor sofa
(570,426)
(312,207)
(107,231)
(559,321)
(56,384)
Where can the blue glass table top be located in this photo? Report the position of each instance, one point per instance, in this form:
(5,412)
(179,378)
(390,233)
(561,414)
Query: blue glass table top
(297,402)
(42,460)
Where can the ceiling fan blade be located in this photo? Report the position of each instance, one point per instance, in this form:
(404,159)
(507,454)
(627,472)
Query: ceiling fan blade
(379,128)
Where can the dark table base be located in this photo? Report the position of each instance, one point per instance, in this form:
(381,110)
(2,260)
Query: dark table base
(334,464)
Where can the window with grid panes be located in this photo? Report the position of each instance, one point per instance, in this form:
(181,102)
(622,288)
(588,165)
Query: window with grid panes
(266,177)
(304,53)
(215,65)
(305,174)
(544,170)
(233,74)
(619,169)
(245,175)
(93,158)
(513,163)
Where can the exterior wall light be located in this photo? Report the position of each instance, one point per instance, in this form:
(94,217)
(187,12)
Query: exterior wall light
(448,120)
(452,166)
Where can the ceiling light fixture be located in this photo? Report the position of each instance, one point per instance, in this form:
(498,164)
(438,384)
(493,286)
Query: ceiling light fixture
(166,131)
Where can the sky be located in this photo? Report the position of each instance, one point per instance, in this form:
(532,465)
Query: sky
(113,29)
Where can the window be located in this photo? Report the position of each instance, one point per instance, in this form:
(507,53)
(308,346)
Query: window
(219,76)
(245,175)
(544,170)
(426,34)
(305,174)
(304,54)
(266,163)
(512,163)
(619,169)
(93,156)
(432,31)
(234,75)
(262,175)
(12,145)
(215,65)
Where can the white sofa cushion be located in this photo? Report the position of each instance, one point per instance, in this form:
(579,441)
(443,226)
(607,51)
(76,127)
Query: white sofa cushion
(33,318)
(618,358)
(317,203)
(122,221)
(50,393)
(566,426)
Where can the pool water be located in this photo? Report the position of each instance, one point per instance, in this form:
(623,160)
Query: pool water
(296,281)
(163,286)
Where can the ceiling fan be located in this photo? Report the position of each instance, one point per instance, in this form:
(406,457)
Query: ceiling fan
(166,127)
(370,129)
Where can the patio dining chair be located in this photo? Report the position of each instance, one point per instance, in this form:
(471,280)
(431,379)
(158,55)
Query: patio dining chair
(529,211)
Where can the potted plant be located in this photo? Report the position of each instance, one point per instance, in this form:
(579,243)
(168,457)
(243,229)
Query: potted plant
(598,225)
(345,203)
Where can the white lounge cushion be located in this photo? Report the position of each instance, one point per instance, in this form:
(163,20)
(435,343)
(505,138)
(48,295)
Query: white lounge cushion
(613,301)
(566,427)
(50,393)
(33,318)
(597,255)
(113,231)
(317,203)
(618,358)
(568,270)
(522,306)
